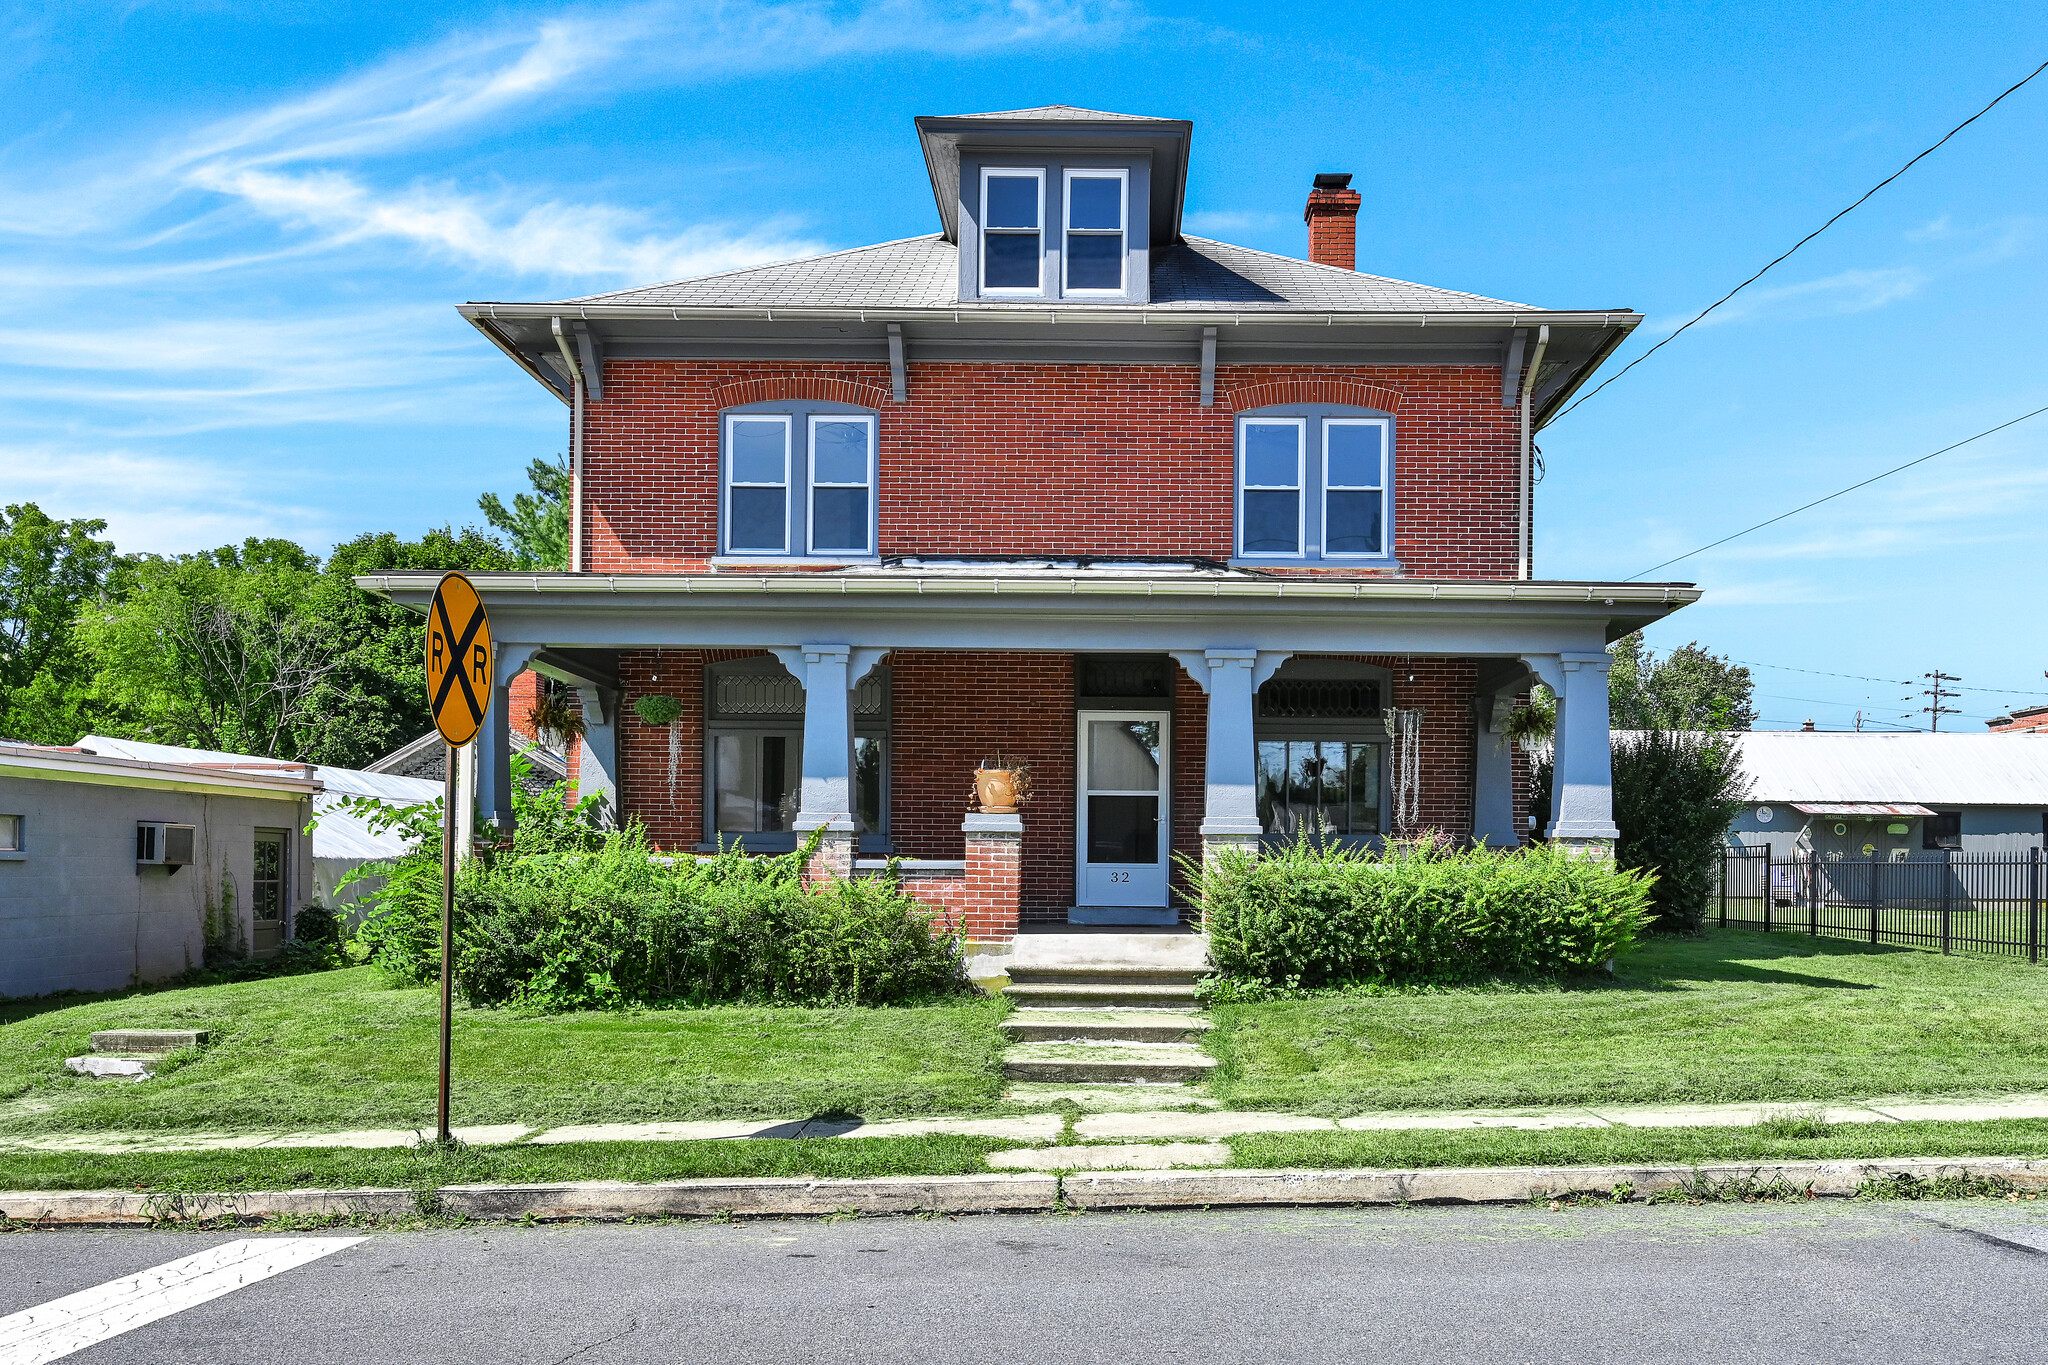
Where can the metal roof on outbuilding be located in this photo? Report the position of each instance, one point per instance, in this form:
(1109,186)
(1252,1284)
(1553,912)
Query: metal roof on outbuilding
(1792,766)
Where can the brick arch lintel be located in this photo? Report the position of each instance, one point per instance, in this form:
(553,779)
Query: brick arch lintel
(771,388)
(1345,392)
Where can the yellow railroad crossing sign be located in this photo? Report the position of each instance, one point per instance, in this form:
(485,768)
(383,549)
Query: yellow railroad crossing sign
(458,660)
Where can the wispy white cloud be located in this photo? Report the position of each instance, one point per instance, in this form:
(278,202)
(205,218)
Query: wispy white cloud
(162,502)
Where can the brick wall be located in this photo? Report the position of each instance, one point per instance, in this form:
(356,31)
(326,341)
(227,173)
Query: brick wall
(1032,458)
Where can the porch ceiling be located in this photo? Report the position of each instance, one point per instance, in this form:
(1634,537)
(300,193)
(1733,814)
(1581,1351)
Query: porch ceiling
(1061,611)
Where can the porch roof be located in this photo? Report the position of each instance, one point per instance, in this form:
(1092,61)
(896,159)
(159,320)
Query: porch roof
(1055,608)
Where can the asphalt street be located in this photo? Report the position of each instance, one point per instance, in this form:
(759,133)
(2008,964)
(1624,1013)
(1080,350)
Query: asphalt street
(1896,1282)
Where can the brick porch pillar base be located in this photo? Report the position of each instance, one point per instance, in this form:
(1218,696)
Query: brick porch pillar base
(992,893)
(833,858)
(1213,844)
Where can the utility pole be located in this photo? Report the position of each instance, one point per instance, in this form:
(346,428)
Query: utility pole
(1934,708)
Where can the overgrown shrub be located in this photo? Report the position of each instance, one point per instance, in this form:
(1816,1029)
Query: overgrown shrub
(1303,917)
(621,925)
(1675,793)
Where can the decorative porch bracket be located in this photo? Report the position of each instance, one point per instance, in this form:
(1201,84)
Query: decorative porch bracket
(1582,769)
(1231,677)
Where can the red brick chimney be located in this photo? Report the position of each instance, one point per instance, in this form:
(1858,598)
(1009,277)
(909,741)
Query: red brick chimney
(1332,218)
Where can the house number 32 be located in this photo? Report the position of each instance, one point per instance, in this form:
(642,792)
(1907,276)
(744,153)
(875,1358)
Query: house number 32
(1119,876)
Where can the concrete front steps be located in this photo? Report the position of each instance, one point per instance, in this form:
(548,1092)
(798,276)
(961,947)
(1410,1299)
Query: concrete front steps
(1107,1010)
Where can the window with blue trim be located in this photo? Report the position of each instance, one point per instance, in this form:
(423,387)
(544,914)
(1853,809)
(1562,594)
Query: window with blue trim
(1315,484)
(798,481)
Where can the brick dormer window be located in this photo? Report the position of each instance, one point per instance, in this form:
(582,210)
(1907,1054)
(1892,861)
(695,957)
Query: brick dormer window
(1316,484)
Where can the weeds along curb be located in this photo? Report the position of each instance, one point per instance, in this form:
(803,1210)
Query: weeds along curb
(601,1201)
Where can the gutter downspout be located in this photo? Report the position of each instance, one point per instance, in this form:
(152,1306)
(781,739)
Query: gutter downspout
(1525,528)
(576,445)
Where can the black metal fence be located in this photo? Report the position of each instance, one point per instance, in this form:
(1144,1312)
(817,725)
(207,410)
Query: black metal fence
(1957,902)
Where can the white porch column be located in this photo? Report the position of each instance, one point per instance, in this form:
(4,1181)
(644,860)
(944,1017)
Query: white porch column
(493,743)
(1231,677)
(829,674)
(597,770)
(1493,772)
(1582,776)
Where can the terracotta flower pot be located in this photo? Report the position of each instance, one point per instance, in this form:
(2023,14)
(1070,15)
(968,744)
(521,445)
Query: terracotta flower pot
(996,790)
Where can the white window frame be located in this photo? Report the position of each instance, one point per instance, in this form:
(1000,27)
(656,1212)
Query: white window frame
(1299,488)
(1069,231)
(1036,173)
(727,484)
(812,484)
(1386,458)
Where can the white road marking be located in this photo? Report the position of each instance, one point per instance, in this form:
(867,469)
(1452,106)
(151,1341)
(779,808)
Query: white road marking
(60,1327)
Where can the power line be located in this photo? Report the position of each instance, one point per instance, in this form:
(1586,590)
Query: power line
(1802,241)
(1836,494)
(1859,677)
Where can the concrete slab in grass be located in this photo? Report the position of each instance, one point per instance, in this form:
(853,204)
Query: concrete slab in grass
(1729,1115)
(755,1198)
(2004,1107)
(1121,1156)
(706,1130)
(1103,1099)
(128,1040)
(1022,1127)
(118,1207)
(1220,1124)
(1571,1118)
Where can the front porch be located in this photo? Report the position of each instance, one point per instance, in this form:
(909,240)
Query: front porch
(1163,712)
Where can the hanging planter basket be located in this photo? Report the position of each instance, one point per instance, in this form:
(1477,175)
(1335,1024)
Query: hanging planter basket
(662,712)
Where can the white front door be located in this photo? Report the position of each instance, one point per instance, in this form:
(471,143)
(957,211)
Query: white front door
(1124,837)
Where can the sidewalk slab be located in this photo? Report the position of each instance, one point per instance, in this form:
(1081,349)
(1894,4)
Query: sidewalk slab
(1111,1099)
(364,1139)
(1023,1128)
(706,1130)
(1729,1115)
(1219,1124)
(2005,1107)
(1477,1118)
(1125,1156)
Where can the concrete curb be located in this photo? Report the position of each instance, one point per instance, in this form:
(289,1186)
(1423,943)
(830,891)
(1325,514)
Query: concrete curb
(1032,1193)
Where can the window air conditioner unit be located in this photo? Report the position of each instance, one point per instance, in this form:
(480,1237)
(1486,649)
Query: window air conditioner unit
(161,845)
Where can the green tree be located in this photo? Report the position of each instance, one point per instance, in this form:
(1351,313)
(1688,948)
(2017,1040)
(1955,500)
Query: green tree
(1690,688)
(1675,793)
(223,649)
(49,568)
(538,523)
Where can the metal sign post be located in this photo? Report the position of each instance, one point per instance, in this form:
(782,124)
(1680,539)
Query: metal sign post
(459,695)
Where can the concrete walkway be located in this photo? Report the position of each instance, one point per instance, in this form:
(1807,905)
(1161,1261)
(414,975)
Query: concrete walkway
(1155,1126)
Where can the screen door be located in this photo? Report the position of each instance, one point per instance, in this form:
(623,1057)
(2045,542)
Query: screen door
(1123,764)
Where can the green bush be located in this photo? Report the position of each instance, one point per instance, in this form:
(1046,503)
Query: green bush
(623,925)
(1675,792)
(1304,917)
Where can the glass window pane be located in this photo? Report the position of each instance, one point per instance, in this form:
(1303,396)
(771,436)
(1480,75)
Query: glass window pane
(760,519)
(1013,201)
(1273,813)
(1365,788)
(1354,527)
(757,452)
(1095,201)
(1012,260)
(840,452)
(1123,755)
(755,782)
(1334,800)
(1271,455)
(1272,523)
(1095,262)
(839,519)
(1355,453)
(867,784)
(1123,829)
(10,834)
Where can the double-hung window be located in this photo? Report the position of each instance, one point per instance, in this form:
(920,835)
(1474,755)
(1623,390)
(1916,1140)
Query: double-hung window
(757,484)
(1096,204)
(1270,463)
(842,485)
(1012,231)
(1354,486)
(799,481)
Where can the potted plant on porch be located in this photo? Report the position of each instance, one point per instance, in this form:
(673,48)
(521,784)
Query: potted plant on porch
(1001,785)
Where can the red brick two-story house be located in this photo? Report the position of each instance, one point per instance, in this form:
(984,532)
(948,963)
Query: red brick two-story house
(1221,543)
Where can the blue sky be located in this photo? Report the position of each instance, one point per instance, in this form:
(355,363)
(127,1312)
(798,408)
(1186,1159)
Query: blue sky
(230,236)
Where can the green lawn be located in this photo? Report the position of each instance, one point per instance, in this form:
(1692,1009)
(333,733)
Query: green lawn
(347,1049)
(1734,1016)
